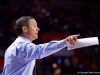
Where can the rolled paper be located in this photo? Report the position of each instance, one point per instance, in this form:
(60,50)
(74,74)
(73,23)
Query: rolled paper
(83,42)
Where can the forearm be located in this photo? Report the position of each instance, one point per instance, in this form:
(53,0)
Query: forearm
(51,47)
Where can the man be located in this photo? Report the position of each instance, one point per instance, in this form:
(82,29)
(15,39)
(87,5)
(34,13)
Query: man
(21,55)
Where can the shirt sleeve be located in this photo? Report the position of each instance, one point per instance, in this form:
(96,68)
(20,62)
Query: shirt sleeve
(32,51)
(50,48)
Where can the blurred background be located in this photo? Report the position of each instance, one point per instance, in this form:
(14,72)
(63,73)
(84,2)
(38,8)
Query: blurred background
(57,19)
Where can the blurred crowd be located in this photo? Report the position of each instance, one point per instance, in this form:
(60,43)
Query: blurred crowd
(56,19)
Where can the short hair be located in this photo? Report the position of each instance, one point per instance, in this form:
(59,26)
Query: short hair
(22,21)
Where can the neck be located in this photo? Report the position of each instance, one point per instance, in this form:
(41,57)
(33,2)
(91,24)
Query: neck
(28,37)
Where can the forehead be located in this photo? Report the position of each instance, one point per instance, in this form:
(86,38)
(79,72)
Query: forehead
(32,22)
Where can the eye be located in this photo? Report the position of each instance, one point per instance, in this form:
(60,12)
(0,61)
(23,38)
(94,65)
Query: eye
(35,25)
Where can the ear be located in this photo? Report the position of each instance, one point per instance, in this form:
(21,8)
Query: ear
(24,28)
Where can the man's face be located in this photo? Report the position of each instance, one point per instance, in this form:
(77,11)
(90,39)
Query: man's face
(32,30)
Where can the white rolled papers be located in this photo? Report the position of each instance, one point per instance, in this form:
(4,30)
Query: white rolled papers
(84,42)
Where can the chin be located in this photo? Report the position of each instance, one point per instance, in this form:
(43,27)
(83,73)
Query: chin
(35,38)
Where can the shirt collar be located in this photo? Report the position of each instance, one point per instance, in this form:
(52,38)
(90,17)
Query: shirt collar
(24,38)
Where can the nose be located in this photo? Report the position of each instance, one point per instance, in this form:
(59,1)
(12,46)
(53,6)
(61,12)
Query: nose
(38,29)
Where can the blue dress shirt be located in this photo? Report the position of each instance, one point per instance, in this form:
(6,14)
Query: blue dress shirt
(21,55)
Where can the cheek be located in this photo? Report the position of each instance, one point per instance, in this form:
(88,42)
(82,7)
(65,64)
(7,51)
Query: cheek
(32,31)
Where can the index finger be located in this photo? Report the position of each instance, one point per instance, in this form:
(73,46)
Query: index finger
(77,35)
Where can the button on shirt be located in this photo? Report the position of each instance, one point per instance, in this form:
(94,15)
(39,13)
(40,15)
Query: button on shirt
(21,55)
